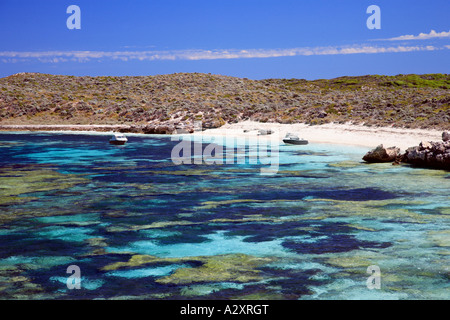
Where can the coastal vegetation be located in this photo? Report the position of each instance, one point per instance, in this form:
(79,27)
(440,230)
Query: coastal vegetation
(178,100)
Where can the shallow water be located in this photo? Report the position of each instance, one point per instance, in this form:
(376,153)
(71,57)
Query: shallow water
(140,227)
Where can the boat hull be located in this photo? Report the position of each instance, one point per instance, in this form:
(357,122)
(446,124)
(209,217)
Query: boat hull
(297,142)
(117,142)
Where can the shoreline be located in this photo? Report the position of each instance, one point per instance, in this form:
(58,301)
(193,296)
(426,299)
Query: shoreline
(348,134)
(332,133)
(64,127)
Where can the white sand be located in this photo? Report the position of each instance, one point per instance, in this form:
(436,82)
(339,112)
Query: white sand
(335,133)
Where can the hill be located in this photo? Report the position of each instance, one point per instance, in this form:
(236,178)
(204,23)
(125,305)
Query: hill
(410,101)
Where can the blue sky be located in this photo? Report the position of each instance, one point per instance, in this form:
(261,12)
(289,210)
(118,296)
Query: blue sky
(245,38)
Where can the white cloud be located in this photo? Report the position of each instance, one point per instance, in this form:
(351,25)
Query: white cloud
(422,36)
(84,56)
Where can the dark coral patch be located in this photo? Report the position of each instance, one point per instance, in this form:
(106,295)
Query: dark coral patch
(334,244)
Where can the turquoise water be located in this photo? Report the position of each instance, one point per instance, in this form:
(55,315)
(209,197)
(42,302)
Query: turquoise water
(141,227)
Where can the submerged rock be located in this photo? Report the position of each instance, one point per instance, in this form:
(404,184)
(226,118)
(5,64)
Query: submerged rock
(219,268)
(20,183)
(381,154)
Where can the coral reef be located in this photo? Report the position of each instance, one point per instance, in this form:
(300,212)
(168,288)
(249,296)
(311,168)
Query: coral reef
(219,268)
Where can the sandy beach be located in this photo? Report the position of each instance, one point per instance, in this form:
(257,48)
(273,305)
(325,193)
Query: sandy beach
(333,133)
(336,133)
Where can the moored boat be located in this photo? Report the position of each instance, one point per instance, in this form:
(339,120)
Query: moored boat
(293,139)
(118,139)
(264,132)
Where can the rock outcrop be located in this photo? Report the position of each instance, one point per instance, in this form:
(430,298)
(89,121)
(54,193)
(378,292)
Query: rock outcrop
(381,154)
(445,136)
(429,155)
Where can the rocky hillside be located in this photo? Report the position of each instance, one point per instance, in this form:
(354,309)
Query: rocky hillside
(412,101)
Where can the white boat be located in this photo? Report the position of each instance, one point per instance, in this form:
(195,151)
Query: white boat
(293,139)
(118,139)
(264,132)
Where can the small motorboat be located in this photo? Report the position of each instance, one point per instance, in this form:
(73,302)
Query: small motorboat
(118,139)
(264,132)
(293,139)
